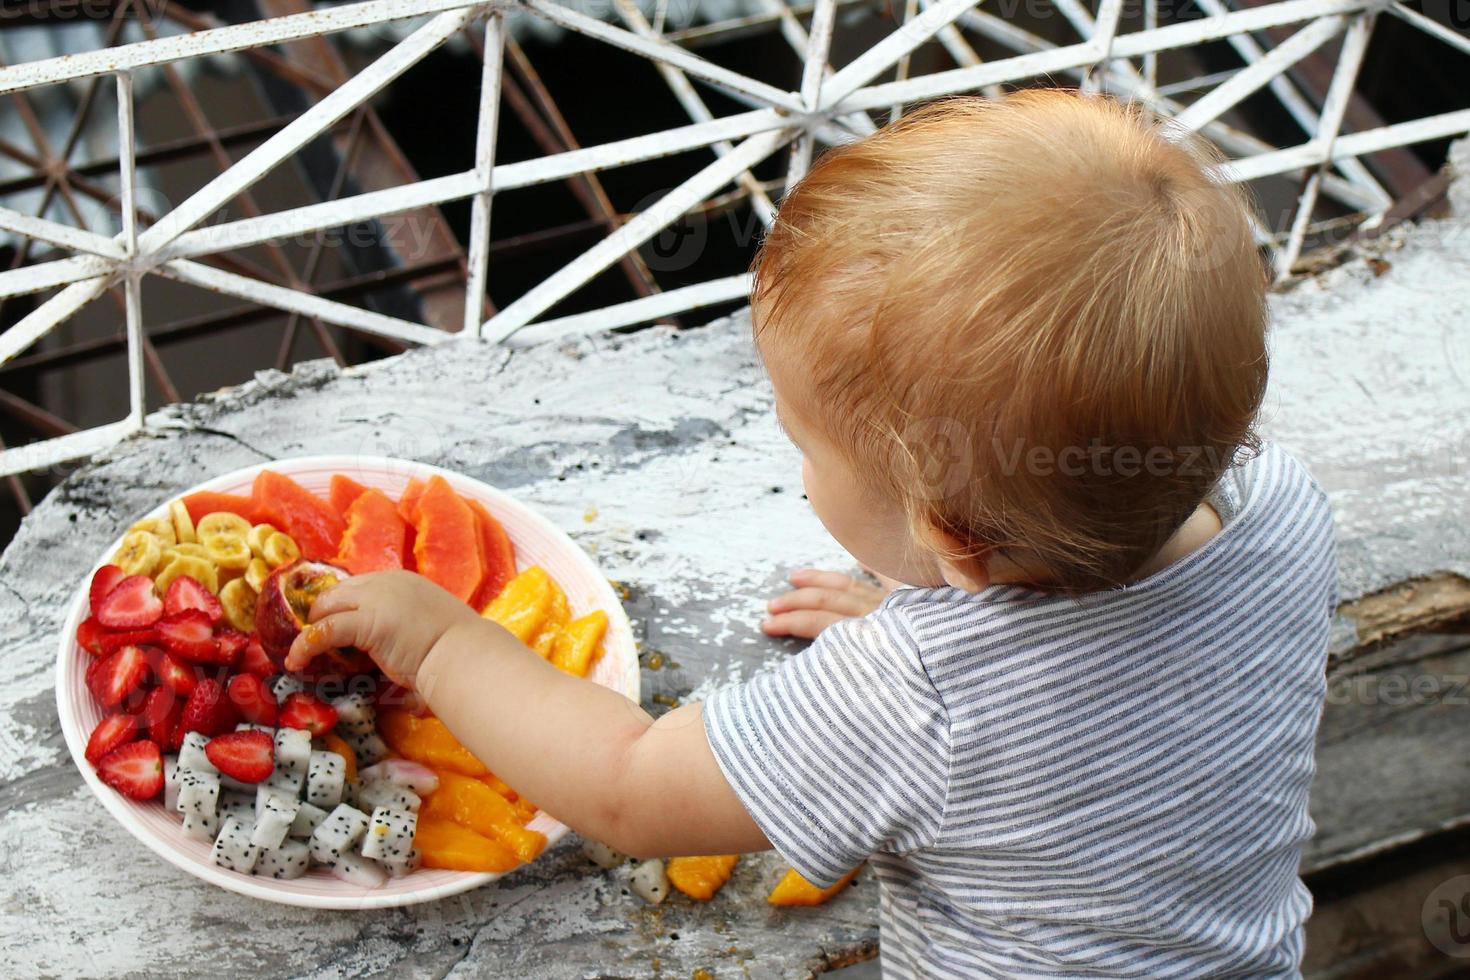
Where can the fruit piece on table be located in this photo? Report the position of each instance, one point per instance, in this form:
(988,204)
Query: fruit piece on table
(253,700)
(284,604)
(189,633)
(577,645)
(445,844)
(344,490)
(113,678)
(205,502)
(135,770)
(130,605)
(472,804)
(244,755)
(114,730)
(446,545)
(309,713)
(337,745)
(650,882)
(180,562)
(186,592)
(237,600)
(375,535)
(793,889)
(700,877)
(183,523)
(307,518)
(139,554)
(557,613)
(104,580)
(521,606)
(426,740)
(209,710)
(496,552)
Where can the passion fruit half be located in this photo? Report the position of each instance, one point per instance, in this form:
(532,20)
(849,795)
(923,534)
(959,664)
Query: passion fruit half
(284,605)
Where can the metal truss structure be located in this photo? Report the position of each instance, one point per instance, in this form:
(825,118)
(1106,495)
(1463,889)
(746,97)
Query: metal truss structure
(1112,48)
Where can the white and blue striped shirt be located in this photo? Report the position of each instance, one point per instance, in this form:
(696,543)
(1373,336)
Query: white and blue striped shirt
(1110,785)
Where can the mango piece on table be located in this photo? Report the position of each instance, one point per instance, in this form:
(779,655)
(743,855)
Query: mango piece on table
(445,844)
(426,740)
(578,644)
(796,890)
(522,605)
(474,805)
(700,877)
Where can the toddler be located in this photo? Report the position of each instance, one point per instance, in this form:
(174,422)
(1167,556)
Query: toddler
(1020,345)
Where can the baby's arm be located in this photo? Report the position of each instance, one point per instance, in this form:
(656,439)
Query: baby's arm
(584,753)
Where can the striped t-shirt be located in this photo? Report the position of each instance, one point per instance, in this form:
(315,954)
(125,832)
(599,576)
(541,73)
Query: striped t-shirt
(1111,785)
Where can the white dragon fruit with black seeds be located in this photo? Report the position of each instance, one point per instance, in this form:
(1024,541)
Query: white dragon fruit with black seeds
(326,775)
(338,834)
(308,819)
(410,863)
(286,685)
(201,826)
(170,784)
(406,773)
(286,862)
(233,803)
(369,748)
(389,835)
(232,848)
(273,820)
(355,714)
(356,870)
(198,792)
(192,754)
(375,794)
(293,749)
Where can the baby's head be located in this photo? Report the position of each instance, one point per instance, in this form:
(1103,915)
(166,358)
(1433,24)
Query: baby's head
(1023,334)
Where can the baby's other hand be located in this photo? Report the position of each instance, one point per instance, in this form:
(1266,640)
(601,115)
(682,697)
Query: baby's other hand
(819,600)
(394,617)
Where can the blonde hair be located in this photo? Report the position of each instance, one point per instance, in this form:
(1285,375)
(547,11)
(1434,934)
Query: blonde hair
(1045,276)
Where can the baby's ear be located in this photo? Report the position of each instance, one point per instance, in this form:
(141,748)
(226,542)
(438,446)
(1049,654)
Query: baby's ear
(957,563)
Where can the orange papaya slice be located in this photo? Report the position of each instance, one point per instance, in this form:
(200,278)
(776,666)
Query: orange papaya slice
(496,552)
(796,890)
(344,491)
(700,877)
(408,503)
(446,548)
(309,519)
(445,844)
(208,502)
(373,541)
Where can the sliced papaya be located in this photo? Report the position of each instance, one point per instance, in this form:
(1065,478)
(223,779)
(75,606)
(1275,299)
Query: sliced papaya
(209,502)
(474,805)
(796,890)
(497,553)
(427,740)
(310,520)
(700,877)
(579,643)
(408,502)
(445,844)
(446,548)
(344,491)
(373,541)
(522,605)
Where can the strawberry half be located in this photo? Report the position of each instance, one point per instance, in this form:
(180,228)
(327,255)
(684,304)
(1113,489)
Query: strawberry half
(90,635)
(118,675)
(232,644)
(256,661)
(112,731)
(175,674)
(302,710)
(246,756)
(186,592)
(253,700)
(208,711)
(104,580)
(135,770)
(190,634)
(161,714)
(127,638)
(130,605)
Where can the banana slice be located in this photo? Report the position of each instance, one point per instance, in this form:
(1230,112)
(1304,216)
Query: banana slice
(161,528)
(194,550)
(257,536)
(139,553)
(238,600)
(221,523)
(228,552)
(183,523)
(198,568)
(280,549)
(257,572)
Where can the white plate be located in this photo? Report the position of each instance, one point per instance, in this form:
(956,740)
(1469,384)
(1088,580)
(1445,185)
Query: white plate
(537,542)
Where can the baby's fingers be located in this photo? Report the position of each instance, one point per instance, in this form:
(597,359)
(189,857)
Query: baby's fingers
(806,623)
(321,635)
(844,602)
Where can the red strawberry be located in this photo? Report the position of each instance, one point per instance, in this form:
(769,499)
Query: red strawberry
(135,770)
(112,731)
(130,605)
(190,634)
(118,675)
(104,581)
(302,710)
(253,699)
(90,635)
(256,661)
(127,638)
(246,756)
(185,592)
(232,643)
(208,711)
(161,715)
(175,674)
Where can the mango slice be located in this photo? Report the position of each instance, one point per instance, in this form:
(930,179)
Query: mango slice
(796,890)
(700,877)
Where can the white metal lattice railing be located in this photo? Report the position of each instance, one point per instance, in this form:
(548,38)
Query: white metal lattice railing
(829,106)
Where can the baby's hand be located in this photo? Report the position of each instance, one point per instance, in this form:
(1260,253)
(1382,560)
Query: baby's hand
(394,617)
(819,600)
